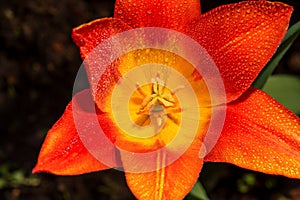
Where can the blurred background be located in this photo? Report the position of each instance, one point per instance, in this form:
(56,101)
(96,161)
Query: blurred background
(38,64)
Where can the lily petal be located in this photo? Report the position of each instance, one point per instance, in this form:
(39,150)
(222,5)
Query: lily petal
(87,37)
(63,152)
(171,182)
(173,14)
(261,135)
(241,38)
(90,35)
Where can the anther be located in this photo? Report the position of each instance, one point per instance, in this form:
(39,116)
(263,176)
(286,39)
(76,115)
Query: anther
(137,85)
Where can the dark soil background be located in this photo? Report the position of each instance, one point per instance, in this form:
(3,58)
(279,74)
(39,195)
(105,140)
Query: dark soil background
(38,64)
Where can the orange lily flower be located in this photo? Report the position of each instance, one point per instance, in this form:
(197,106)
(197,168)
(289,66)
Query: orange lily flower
(258,133)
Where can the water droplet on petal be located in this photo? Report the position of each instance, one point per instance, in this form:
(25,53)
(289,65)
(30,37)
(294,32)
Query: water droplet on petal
(81,42)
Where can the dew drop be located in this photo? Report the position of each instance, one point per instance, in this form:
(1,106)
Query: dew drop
(81,42)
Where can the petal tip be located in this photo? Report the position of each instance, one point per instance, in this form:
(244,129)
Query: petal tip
(38,169)
(35,170)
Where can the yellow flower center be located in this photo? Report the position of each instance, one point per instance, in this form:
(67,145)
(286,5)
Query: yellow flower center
(156,101)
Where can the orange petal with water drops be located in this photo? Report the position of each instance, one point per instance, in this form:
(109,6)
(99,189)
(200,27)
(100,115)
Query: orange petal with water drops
(261,135)
(90,35)
(171,14)
(241,38)
(63,151)
(87,37)
(166,182)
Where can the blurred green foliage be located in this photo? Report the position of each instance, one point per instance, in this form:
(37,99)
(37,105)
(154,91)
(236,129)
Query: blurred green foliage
(286,90)
(286,43)
(197,193)
(16,178)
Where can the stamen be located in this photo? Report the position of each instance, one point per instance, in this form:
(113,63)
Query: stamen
(165,102)
(173,118)
(158,85)
(159,105)
(137,85)
(175,110)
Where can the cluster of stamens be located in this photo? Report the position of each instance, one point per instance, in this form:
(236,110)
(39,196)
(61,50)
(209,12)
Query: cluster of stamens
(161,103)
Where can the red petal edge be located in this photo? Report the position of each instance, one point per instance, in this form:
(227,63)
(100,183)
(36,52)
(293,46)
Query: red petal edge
(90,35)
(63,152)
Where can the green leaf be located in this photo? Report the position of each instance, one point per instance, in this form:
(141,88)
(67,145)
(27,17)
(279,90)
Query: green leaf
(198,192)
(286,90)
(286,43)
